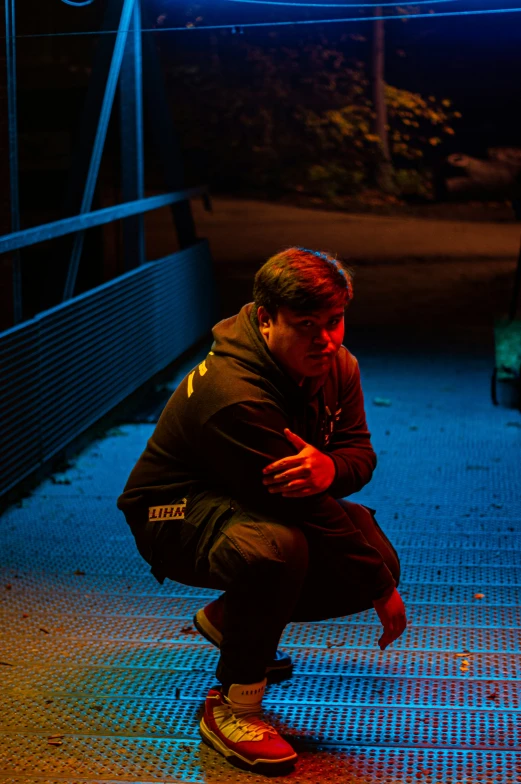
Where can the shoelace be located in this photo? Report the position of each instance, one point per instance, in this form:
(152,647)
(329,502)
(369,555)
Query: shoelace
(243,723)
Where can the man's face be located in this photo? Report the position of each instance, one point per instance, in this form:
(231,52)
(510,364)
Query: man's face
(305,344)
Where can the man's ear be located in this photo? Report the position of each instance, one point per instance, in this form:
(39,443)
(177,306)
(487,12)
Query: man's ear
(263,317)
(264,320)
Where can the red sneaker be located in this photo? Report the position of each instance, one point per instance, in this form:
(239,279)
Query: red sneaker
(234,727)
(209,621)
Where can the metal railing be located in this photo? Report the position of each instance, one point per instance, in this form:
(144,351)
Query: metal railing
(66,367)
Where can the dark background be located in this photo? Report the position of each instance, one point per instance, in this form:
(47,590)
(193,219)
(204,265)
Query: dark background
(472,60)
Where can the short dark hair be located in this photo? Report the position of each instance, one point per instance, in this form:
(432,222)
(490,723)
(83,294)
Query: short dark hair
(303,280)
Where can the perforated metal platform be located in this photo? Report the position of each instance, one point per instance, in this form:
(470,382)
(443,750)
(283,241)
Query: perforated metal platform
(102,675)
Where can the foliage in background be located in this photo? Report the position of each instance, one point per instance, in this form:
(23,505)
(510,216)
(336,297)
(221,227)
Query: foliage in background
(299,119)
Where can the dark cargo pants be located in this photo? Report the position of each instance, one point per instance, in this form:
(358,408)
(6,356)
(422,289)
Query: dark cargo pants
(271,574)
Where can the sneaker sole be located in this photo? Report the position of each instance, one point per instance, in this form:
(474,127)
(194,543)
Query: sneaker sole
(213,635)
(212,740)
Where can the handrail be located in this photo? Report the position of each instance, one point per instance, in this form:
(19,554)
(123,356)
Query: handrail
(48,231)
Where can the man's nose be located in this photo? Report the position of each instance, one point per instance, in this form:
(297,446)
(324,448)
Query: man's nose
(322,337)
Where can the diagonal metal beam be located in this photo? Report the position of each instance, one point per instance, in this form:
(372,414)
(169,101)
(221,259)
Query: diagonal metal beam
(131,130)
(10,27)
(89,119)
(106,108)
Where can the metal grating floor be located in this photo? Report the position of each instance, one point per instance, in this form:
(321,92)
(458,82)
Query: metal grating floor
(102,675)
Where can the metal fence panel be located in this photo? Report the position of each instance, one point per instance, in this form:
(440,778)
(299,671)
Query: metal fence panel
(68,366)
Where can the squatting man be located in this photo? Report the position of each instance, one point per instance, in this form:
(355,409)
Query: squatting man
(241,488)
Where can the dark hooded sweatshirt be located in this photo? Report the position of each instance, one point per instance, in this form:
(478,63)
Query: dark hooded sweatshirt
(225,423)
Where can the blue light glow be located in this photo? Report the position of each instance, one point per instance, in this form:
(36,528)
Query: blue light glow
(241,26)
(79,4)
(288,4)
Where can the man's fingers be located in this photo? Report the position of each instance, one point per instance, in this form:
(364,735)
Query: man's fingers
(385,640)
(392,632)
(295,439)
(297,489)
(391,611)
(284,477)
(282,465)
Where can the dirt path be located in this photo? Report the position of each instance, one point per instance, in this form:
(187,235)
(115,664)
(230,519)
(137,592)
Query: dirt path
(259,228)
(421,274)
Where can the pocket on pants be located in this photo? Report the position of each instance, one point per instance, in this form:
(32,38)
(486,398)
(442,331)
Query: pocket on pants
(182,555)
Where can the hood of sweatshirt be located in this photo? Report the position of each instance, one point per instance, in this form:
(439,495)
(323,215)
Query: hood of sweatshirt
(239,339)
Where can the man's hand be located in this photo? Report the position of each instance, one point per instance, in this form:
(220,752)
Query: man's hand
(391,612)
(309,472)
